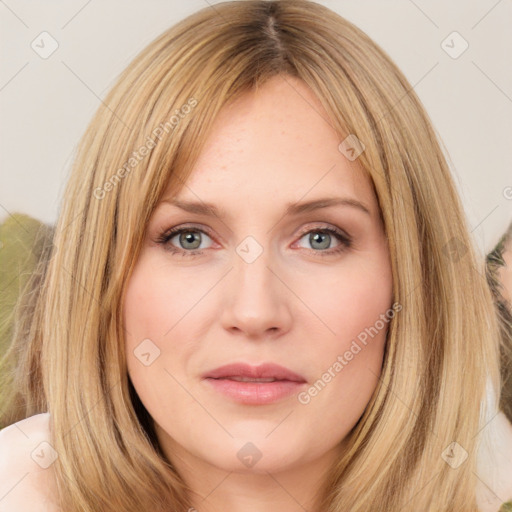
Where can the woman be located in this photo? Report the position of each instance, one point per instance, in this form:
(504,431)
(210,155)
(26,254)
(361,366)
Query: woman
(316,347)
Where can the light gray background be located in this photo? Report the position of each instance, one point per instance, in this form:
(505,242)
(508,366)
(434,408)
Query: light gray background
(46,103)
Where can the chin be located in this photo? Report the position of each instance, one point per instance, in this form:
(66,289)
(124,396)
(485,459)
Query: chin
(256,454)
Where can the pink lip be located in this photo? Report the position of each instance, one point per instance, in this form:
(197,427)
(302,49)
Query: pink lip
(255,393)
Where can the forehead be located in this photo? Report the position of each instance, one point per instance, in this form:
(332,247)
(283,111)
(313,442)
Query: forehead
(275,145)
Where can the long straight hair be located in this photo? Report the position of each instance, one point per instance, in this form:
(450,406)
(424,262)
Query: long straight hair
(441,350)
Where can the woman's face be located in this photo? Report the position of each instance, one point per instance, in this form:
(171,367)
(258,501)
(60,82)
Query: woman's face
(262,282)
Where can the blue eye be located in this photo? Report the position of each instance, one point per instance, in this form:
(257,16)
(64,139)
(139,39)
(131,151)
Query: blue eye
(189,240)
(322,237)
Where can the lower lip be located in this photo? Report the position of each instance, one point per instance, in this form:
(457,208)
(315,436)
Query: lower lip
(256,393)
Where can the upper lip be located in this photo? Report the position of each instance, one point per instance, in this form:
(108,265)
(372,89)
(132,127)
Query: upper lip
(265,370)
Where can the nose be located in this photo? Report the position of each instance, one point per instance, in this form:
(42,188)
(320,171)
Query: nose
(257,300)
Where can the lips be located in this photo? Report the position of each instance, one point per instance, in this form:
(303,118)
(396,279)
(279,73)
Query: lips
(245,384)
(243,372)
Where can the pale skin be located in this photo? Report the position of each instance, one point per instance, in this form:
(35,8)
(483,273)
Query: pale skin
(267,150)
(291,306)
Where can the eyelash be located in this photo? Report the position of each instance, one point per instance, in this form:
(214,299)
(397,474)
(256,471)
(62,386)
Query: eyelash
(164,238)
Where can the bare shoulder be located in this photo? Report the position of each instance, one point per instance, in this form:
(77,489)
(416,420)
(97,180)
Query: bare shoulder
(495,464)
(26,460)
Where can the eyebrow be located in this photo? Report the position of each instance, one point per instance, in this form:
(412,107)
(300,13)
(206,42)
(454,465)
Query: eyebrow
(201,208)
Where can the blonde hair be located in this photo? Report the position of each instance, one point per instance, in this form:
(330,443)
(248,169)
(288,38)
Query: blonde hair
(441,349)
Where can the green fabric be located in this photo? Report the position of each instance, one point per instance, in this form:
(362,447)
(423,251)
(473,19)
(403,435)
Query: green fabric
(506,507)
(22,240)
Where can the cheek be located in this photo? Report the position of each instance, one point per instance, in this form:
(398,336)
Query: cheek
(156,300)
(350,300)
(355,308)
(151,314)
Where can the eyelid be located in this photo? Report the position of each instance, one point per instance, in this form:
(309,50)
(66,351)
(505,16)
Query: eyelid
(345,240)
(342,236)
(166,235)
(322,225)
